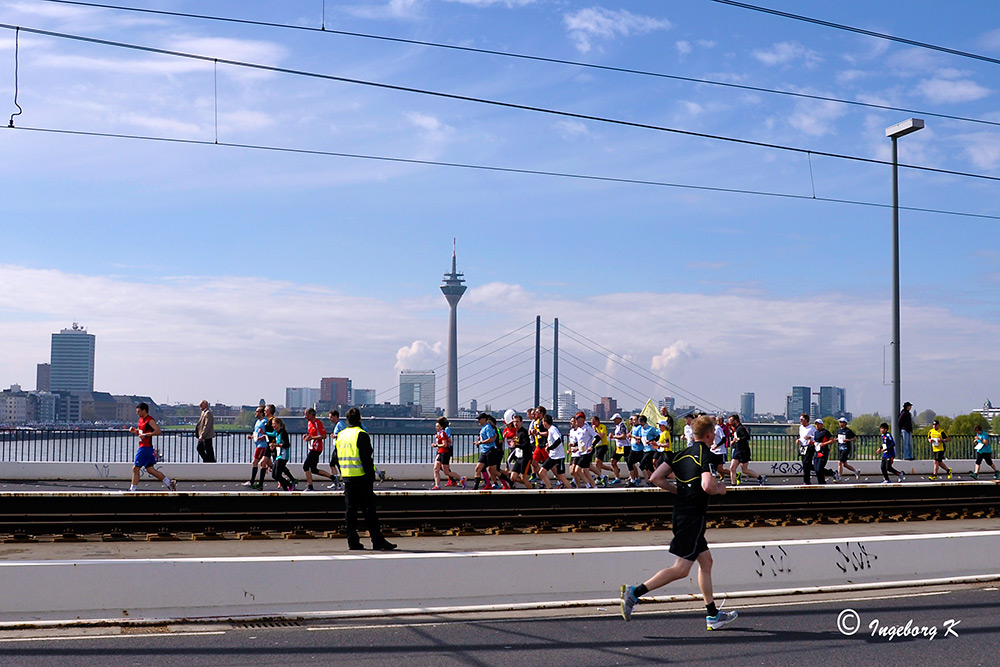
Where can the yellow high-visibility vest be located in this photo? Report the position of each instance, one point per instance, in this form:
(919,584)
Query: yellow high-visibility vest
(348,457)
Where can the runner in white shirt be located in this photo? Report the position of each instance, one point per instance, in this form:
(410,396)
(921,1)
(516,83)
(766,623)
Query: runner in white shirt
(581,440)
(688,433)
(807,446)
(557,456)
(620,447)
(718,450)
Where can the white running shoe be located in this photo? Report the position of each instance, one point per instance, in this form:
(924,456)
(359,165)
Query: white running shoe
(721,620)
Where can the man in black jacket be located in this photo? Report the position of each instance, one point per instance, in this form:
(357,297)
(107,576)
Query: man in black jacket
(357,468)
(906,430)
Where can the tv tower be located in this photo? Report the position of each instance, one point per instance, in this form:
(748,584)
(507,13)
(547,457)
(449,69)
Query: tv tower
(453,288)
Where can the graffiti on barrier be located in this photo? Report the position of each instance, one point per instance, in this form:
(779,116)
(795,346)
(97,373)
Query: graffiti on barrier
(786,468)
(772,559)
(103,471)
(855,558)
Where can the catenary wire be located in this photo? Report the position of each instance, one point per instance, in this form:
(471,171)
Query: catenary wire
(530,57)
(644,373)
(489,102)
(621,386)
(461,356)
(860,31)
(509,170)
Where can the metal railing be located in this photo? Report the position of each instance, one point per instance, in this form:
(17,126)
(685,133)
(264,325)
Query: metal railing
(118,446)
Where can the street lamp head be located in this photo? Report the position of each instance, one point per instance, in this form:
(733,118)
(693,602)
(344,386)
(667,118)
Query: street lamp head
(908,126)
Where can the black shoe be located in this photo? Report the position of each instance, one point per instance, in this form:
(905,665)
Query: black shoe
(384,546)
(356,547)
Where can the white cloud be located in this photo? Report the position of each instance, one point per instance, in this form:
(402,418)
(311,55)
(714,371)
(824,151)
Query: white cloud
(675,352)
(991,40)
(263,53)
(420,355)
(683,48)
(510,4)
(572,129)
(786,53)
(589,25)
(394,9)
(983,148)
(815,118)
(163,126)
(692,108)
(952,90)
(430,127)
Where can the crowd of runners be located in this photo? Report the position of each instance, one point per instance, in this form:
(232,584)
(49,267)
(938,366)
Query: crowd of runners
(531,451)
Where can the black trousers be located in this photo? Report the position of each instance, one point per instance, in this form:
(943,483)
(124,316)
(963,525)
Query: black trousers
(807,466)
(359,495)
(206,451)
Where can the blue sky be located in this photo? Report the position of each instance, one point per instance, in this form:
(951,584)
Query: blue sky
(228,274)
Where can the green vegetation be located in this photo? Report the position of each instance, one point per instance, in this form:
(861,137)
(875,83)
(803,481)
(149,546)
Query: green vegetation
(867,424)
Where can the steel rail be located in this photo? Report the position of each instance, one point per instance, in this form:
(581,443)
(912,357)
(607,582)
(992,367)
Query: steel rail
(25,514)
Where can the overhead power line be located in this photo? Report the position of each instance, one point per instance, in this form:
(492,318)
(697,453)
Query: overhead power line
(509,170)
(528,57)
(480,100)
(860,31)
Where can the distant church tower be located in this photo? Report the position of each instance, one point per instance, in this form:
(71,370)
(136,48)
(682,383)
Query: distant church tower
(453,288)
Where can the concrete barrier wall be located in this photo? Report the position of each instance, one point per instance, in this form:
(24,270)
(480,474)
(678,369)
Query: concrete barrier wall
(370,583)
(198,472)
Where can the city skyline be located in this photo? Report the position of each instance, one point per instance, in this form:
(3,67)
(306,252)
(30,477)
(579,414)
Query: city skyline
(264,269)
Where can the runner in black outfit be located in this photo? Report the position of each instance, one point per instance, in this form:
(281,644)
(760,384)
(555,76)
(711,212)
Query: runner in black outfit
(694,484)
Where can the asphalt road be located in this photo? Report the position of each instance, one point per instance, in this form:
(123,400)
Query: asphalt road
(917,626)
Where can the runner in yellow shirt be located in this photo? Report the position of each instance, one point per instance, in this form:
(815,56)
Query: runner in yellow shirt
(937,437)
(600,452)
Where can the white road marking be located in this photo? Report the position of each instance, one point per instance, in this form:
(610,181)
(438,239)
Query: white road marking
(8,640)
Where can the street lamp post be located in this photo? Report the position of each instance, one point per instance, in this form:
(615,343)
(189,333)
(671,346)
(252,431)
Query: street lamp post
(895,132)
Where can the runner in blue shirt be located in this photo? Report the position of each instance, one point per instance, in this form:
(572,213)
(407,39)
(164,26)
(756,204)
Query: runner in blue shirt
(984,452)
(487,442)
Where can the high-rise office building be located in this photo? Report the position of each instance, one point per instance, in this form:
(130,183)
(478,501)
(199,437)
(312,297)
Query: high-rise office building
(72,362)
(363,397)
(300,398)
(831,402)
(748,406)
(797,403)
(668,403)
(567,406)
(43,377)
(335,391)
(418,388)
(607,407)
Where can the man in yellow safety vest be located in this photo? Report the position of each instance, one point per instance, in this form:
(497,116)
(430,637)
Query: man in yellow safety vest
(357,469)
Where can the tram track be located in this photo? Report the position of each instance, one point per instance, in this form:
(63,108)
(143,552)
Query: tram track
(115,515)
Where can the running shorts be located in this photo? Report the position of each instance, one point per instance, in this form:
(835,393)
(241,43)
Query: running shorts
(845,456)
(444,458)
(601,453)
(635,458)
(689,537)
(262,452)
(558,464)
(939,457)
(716,459)
(311,462)
(647,461)
(145,457)
(742,454)
(540,455)
(521,466)
(585,460)
(987,456)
